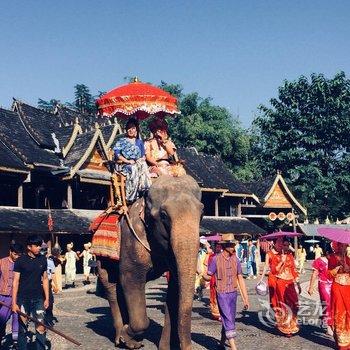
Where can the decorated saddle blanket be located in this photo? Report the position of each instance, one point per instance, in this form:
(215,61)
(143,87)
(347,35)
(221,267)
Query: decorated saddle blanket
(106,235)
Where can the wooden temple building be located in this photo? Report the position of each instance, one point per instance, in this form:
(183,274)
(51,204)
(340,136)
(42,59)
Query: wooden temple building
(54,163)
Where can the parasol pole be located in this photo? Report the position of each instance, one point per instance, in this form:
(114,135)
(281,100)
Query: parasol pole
(295,231)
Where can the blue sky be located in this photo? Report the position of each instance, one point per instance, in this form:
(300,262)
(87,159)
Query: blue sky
(237,52)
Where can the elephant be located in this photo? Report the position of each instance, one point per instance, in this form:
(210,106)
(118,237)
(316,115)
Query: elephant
(170,227)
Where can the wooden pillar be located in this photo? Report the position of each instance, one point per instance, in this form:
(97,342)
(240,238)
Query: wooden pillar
(69,196)
(239,210)
(20,196)
(216,207)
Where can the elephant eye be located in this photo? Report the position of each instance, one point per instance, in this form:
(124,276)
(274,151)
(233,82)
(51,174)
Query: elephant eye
(163,215)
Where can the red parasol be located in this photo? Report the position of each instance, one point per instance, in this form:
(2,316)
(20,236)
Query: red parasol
(138,99)
(340,235)
(281,234)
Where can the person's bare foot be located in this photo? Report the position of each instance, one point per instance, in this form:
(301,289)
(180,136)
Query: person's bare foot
(232,344)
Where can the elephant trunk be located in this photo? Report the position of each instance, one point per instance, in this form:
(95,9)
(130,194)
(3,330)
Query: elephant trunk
(185,244)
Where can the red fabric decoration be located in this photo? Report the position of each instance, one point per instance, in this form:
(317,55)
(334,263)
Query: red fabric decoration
(50,222)
(106,238)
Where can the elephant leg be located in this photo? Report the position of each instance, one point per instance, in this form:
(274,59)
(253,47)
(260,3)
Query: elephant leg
(110,286)
(133,283)
(164,343)
(170,337)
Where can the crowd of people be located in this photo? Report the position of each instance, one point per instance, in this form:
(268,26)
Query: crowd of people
(28,281)
(29,278)
(220,263)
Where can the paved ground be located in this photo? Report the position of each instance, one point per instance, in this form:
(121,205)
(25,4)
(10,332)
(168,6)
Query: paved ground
(86,318)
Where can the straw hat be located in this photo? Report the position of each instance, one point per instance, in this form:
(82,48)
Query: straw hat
(227,238)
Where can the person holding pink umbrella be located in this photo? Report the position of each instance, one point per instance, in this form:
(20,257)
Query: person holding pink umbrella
(320,271)
(339,269)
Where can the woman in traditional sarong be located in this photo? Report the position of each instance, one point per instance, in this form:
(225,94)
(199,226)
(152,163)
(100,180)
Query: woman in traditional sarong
(70,258)
(87,256)
(58,261)
(129,152)
(161,151)
(301,258)
(339,268)
(272,259)
(287,297)
(320,270)
(199,283)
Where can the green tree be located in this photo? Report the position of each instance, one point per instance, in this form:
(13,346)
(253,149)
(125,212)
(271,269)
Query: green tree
(304,133)
(48,106)
(210,128)
(84,102)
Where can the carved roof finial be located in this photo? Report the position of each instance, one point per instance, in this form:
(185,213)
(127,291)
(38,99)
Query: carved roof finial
(327,221)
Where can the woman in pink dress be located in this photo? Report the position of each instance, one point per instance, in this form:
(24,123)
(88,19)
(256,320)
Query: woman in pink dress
(320,270)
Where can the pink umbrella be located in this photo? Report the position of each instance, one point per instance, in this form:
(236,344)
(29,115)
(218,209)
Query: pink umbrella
(214,238)
(281,234)
(340,235)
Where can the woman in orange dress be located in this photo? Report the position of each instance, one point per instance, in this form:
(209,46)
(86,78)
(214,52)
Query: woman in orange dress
(339,268)
(287,297)
(271,261)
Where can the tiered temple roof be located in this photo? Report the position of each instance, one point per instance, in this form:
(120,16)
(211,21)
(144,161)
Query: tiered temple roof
(18,139)
(66,144)
(229,224)
(33,138)
(9,161)
(72,221)
(273,191)
(39,124)
(211,172)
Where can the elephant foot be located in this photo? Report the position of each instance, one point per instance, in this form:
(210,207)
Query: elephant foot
(128,341)
(164,344)
(117,341)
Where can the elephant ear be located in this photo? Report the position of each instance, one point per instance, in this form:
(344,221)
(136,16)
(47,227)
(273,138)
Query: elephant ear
(150,210)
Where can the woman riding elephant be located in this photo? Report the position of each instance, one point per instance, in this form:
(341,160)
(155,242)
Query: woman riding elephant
(161,151)
(129,153)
